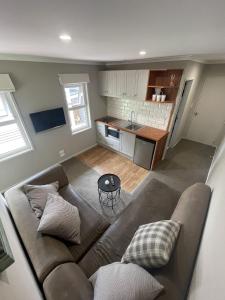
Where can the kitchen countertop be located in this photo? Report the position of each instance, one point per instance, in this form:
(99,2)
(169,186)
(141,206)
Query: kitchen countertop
(147,132)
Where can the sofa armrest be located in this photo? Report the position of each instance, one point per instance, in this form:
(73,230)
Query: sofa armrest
(44,251)
(191,212)
(67,282)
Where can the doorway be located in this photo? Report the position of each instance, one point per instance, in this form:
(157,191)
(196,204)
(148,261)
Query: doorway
(207,124)
(176,126)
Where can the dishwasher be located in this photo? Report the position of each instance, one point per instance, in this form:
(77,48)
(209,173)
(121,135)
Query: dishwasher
(143,152)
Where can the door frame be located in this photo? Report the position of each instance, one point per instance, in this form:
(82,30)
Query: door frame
(173,127)
(174,112)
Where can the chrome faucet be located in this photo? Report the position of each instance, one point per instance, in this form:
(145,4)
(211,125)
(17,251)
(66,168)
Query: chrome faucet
(132,114)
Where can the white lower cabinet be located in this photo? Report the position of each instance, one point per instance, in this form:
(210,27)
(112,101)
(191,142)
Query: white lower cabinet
(113,143)
(100,130)
(124,144)
(127,143)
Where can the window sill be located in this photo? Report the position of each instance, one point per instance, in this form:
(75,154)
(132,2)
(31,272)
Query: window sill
(81,130)
(16,155)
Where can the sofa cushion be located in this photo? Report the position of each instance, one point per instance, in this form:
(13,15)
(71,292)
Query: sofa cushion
(152,244)
(191,211)
(119,281)
(38,194)
(46,252)
(92,224)
(60,219)
(156,202)
(67,282)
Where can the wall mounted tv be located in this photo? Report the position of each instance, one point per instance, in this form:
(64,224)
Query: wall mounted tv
(48,119)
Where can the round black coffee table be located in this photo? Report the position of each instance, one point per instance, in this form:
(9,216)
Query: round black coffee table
(109,190)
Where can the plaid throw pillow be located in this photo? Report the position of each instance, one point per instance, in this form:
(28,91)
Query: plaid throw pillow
(152,244)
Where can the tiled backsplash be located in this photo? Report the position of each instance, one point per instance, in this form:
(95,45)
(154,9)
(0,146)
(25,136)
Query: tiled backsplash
(146,113)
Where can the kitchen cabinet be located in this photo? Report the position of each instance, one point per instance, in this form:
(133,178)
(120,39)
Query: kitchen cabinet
(142,84)
(131,84)
(127,142)
(127,84)
(100,130)
(108,82)
(105,140)
(103,83)
(121,87)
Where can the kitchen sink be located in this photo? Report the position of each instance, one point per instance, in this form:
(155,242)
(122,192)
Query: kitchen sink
(134,127)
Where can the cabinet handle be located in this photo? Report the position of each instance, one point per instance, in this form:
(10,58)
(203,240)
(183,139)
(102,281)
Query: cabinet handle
(135,95)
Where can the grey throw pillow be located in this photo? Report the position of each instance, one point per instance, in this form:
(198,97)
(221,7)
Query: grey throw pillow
(119,281)
(37,195)
(152,244)
(60,219)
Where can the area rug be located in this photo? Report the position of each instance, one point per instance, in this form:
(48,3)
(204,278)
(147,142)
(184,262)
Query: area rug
(84,180)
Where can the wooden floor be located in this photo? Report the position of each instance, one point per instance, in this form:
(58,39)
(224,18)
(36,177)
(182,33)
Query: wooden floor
(104,161)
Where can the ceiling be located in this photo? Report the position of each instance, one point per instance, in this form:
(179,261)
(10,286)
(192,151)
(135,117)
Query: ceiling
(113,30)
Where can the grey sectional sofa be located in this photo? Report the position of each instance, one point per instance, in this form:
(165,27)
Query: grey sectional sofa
(62,270)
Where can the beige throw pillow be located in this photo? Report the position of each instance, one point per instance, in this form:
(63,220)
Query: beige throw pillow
(60,219)
(119,281)
(37,195)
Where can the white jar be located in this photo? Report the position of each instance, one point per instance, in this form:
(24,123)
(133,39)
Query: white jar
(153,97)
(163,98)
(158,98)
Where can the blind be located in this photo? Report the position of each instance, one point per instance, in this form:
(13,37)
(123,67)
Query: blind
(6,84)
(70,79)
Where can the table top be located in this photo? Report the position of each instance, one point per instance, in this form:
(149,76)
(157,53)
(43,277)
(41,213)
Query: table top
(109,182)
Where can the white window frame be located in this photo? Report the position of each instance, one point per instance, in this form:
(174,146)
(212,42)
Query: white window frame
(17,120)
(77,107)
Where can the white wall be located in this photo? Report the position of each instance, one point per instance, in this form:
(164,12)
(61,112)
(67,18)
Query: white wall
(17,282)
(208,125)
(208,279)
(37,88)
(146,113)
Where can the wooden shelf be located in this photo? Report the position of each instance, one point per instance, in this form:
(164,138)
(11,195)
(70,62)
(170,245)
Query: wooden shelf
(159,102)
(163,86)
(167,80)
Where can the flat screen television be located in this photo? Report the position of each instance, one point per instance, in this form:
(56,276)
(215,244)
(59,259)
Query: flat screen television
(48,119)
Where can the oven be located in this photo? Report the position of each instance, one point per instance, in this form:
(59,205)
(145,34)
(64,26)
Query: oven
(112,132)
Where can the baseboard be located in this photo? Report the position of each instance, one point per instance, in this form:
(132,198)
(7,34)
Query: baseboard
(76,154)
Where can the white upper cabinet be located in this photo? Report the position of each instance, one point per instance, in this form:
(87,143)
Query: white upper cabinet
(108,83)
(112,83)
(104,83)
(121,90)
(131,84)
(142,84)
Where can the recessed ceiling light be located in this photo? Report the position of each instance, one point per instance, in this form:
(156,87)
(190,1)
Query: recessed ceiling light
(65,37)
(142,52)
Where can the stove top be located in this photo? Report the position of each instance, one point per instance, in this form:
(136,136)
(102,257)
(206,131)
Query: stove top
(108,119)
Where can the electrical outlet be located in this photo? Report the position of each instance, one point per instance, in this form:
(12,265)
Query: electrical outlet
(62,153)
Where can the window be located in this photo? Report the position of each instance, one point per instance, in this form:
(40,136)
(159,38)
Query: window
(13,138)
(78,107)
